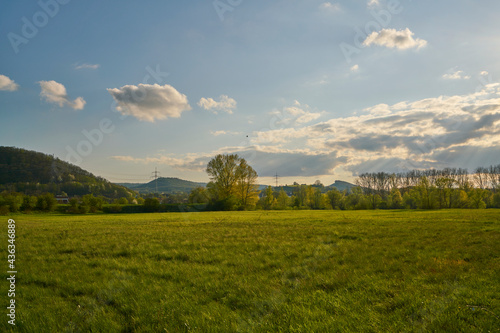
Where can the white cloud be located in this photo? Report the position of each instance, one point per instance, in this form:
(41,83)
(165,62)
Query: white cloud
(226,104)
(7,84)
(332,7)
(54,92)
(392,38)
(484,73)
(297,114)
(458,75)
(355,68)
(219,133)
(87,66)
(373,3)
(150,102)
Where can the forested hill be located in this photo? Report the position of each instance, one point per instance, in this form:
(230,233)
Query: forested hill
(167,185)
(32,172)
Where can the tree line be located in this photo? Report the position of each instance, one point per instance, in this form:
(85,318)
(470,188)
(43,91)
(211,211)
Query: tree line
(230,189)
(233,186)
(433,189)
(11,202)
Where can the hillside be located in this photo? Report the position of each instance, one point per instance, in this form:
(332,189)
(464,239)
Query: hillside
(33,173)
(167,185)
(171,185)
(341,185)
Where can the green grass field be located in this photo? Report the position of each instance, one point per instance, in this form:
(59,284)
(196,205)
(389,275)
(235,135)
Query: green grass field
(300,271)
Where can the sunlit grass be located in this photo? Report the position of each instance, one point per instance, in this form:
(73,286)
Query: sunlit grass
(301,271)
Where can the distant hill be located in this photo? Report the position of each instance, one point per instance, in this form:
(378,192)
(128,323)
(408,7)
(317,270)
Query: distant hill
(289,189)
(341,185)
(31,172)
(166,185)
(170,185)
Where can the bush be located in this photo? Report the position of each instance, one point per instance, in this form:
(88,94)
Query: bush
(76,207)
(94,203)
(12,201)
(29,203)
(151,205)
(496,200)
(121,201)
(228,204)
(114,208)
(46,202)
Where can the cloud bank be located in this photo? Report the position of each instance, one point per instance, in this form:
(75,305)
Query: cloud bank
(55,93)
(439,132)
(150,102)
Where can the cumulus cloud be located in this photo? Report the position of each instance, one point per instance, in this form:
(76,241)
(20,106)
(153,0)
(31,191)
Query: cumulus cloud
(150,102)
(87,66)
(54,92)
(373,3)
(457,75)
(355,68)
(392,38)
(225,103)
(7,84)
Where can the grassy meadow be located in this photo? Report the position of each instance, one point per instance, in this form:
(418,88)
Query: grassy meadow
(291,271)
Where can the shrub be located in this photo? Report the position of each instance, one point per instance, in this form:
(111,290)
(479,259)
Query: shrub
(151,205)
(46,202)
(114,208)
(29,203)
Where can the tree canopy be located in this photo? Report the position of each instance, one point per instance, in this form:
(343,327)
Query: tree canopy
(232,182)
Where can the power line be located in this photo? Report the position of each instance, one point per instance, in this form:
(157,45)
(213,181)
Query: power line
(155,176)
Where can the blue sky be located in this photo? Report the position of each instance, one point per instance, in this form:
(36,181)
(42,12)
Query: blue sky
(306,89)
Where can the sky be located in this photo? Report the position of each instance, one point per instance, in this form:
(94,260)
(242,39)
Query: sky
(308,90)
